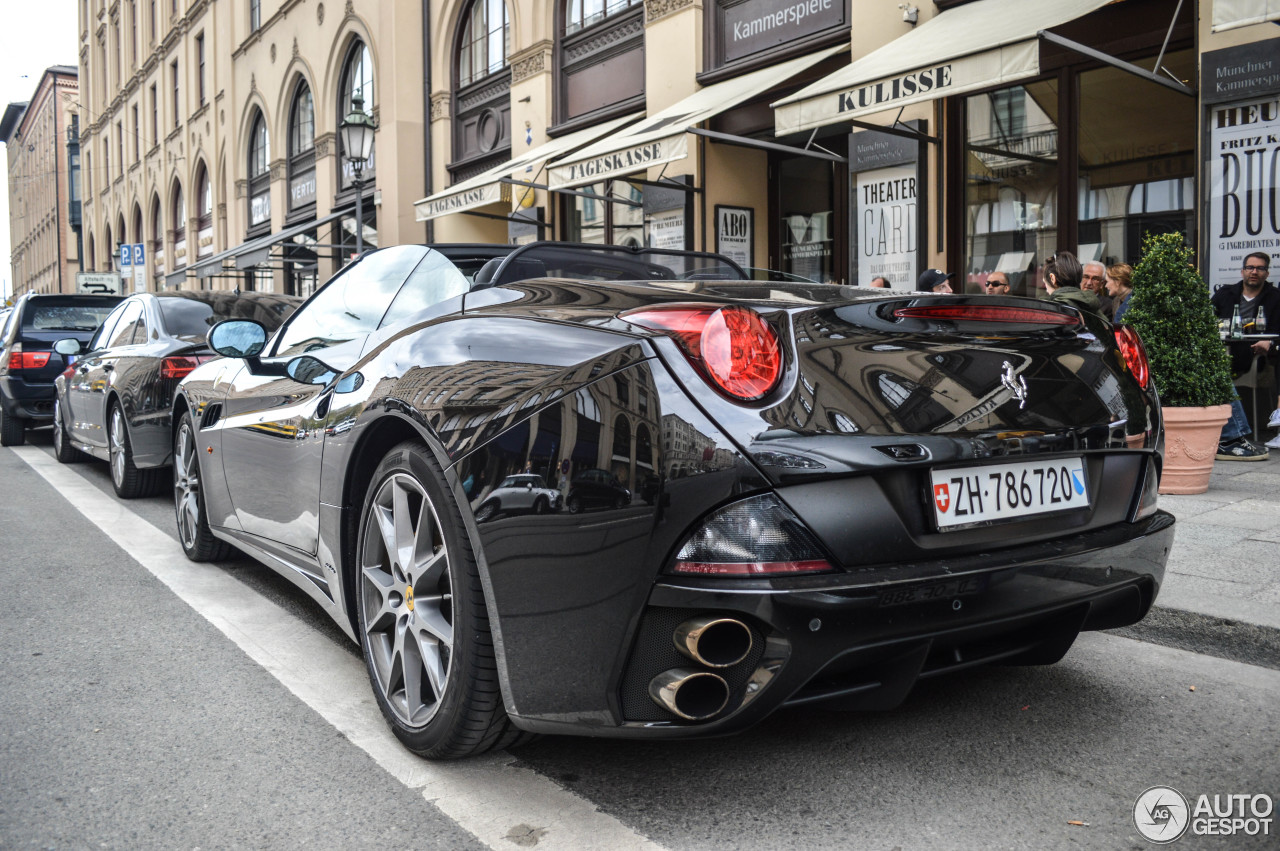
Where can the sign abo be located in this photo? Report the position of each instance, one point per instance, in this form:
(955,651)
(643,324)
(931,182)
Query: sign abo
(1244,202)
(735,233)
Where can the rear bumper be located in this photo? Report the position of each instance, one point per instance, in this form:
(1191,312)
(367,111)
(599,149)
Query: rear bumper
(26,401)
(849,645)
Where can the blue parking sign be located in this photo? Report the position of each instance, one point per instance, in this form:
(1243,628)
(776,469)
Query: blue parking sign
(139,258)
(126,255)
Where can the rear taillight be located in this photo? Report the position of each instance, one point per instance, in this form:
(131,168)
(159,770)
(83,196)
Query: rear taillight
(178,366)
(1135,354)
(755,537)
(28,360)
(986,313)
(732,346)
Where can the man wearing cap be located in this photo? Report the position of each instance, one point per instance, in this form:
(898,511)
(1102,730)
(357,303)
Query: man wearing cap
(997,283)
(934,281)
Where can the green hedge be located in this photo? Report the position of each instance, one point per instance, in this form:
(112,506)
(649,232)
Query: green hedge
(1170,309)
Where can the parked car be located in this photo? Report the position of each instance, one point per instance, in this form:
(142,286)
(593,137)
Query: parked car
(115,401)
(596,489)
(523,493)
(28,364)
(855,492)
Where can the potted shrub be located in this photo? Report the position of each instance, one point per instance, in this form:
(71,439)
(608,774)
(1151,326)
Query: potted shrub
(1170,309)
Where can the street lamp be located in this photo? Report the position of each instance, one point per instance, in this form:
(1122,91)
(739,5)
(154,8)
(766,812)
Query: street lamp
(357,140)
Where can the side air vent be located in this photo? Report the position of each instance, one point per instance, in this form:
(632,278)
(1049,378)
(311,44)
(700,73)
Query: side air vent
(210,415)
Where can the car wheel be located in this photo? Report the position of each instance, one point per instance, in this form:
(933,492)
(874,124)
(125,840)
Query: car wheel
(486,511)
(62,448)
(424,628)
(126,478)
(197,540)
(13,431)
(574,505)
(541,506)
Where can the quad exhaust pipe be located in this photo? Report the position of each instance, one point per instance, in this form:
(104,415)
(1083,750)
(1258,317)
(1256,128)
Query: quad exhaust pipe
(713,641)
(689,694)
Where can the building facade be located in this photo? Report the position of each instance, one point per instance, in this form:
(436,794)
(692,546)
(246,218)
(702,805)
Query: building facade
(209,136)
(42,191)
(834,140)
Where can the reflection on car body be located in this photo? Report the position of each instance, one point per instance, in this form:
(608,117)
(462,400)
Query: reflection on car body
(787,545)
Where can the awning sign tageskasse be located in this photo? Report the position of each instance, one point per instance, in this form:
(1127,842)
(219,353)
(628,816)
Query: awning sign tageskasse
(980,44)
(662,137)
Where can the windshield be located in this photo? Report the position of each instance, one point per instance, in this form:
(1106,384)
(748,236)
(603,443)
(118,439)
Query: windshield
(612,263)
(522,481)
(43,316)
(191,318)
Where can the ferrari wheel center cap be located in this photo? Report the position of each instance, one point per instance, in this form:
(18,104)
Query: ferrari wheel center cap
(408,598)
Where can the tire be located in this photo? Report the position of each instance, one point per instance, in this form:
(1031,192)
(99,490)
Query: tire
(574,505)
(62,448)
(126,478)
(13,431)
(487,511)
(424,629)
(541,506)
(194,534)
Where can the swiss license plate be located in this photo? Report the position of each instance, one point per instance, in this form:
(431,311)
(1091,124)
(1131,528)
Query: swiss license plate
(931,591)
(969,495)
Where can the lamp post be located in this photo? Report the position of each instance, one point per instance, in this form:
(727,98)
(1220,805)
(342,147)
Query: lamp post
(357,140)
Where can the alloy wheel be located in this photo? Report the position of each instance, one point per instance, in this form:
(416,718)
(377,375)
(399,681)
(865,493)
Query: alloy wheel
(408,600)
(186,486)
(116,444)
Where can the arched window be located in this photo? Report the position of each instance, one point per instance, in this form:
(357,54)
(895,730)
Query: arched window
(178,219)
(601,59)
(357,79)
(204,213)
(259,176)
(580,14)
(157,236)
(137,224)
(90,261)
(112,256)
(302,153)
(486,37)
(482,93)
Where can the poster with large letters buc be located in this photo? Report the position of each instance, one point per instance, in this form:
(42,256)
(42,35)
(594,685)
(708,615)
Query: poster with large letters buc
(1244,169)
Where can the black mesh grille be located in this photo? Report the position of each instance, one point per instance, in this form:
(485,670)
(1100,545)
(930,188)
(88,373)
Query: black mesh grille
(655,652)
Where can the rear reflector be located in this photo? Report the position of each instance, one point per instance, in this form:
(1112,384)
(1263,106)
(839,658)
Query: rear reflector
(178,366)
(28,360)
(986,313)
(1135,354)
(734,347)
(755,537)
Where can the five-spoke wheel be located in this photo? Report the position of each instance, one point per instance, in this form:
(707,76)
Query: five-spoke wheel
(197,540)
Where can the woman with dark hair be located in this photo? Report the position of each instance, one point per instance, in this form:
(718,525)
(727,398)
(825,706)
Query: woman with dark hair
(1120,287)
(1062,275)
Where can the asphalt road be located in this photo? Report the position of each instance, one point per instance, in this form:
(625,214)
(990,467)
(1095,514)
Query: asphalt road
(133,720)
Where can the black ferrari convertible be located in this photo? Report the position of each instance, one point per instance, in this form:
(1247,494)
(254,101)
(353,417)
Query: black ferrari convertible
(838,492)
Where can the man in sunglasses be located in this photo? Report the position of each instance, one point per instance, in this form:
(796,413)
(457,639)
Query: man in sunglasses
(1251,293)
(997,283)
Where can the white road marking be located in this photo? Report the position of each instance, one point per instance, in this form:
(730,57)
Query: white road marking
(488,796)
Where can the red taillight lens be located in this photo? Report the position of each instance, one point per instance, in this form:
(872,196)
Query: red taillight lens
(733,346)
(986,313)
(1135,354)
(28,360)
(178,366)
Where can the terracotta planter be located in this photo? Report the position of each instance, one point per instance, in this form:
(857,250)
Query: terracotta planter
(1190,444)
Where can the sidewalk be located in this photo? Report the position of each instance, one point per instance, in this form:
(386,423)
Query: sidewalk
(1226,553)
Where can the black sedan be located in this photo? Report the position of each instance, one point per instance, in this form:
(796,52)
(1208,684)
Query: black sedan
(28,364)
(845,491)
(115,400)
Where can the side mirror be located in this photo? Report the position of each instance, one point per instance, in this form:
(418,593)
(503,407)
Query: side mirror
(68,346)
(238,338)
(528,486)
(305,369)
